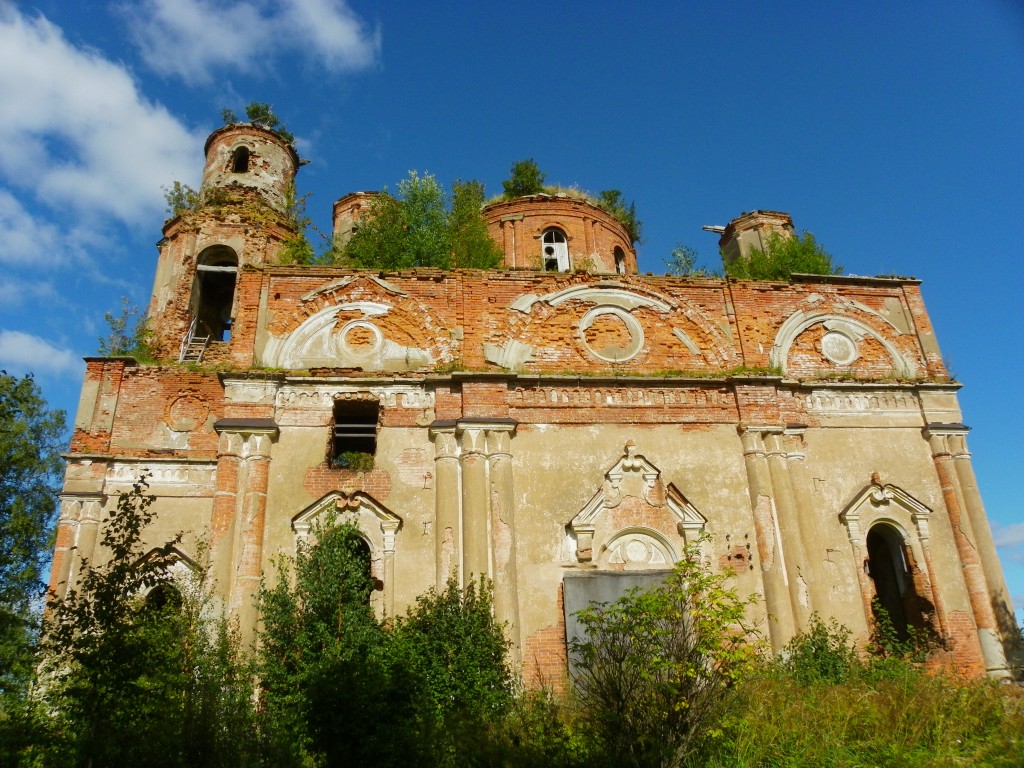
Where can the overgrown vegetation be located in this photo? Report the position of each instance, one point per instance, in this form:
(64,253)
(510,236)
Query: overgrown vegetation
(423,227)
(682,262)
(261,114)
(136,669)
(130,334)
(525,178)
(341,688)
(782,257)
(653,672)
(360,461)
(31,439)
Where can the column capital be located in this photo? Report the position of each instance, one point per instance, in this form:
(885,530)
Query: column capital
(246,437)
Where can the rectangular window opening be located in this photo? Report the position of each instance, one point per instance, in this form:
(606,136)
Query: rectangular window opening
(354,435)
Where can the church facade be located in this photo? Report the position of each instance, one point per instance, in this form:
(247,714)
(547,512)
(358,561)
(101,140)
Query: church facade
(563,426)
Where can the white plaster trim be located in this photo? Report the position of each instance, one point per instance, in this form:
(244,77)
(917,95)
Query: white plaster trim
(800,321)
(377,523)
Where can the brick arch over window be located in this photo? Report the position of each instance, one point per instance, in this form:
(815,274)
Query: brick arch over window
(378,527)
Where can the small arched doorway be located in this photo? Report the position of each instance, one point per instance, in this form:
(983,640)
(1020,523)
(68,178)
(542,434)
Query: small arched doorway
(891,571)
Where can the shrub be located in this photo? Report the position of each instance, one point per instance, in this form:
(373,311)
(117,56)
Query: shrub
(652,673)
(782,257)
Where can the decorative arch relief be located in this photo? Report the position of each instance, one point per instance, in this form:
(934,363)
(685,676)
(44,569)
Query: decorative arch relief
(378,525)
(324,340)
(840,344)
(634,481)
(609,332)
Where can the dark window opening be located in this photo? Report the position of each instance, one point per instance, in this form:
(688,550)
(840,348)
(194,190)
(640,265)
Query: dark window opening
(620,261)
(240,160)
(354,435)
(895,592)
(163,596)
(215,285)
(555,251)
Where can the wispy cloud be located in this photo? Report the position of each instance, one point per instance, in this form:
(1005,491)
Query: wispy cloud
(76,133)
(194,39)
(14,292)
(25,353)
(1010,540)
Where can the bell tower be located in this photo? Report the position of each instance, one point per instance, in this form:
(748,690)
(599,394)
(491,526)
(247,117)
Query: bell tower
(239,218)
(249,158)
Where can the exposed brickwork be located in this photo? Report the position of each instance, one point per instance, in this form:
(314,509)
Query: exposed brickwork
(770,405)
(545,660)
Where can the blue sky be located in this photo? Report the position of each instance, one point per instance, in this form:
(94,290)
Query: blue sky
(892,131)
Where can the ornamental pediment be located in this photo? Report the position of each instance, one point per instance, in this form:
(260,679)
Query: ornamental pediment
(635,518)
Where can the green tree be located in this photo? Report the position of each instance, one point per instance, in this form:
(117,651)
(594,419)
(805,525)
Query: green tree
(612,201)
(262,114)
(452,643)
(134,680)
(418,229)
(682,262)
(653,669)
(782,257)
(129,335)
(31,438)
(525,178)
(328,692)
(472,246)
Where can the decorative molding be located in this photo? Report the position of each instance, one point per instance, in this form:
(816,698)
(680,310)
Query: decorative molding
(847,402)
(613,354)
(313,393)
(800,321)
(885,503)
(319,342)
(633,466)
(162,473)
(377,523)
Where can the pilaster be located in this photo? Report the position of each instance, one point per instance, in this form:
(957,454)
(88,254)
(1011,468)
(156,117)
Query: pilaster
(969,548)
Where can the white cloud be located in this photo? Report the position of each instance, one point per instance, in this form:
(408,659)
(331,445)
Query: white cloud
(22,352)
(76,132)
(1008,535)
(1010,540)
(192,39)
(25,240)
(14,292)
(332,28)
(189,38)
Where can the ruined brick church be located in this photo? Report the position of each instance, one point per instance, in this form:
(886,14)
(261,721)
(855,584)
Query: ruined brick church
(563,425)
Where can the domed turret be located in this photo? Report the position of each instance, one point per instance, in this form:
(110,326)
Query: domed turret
(560,233)
(249,157)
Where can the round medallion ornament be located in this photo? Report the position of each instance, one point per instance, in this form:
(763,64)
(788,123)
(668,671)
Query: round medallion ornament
(360,338)
(838,348)
(611,334)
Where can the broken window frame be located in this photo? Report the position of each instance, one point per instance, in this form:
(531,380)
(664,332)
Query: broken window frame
(354,427)
(554,250)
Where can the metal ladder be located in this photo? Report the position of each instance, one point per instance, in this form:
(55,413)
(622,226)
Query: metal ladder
(193,347)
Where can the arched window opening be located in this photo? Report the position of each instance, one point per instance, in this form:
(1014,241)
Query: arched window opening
(620,261)
(889,566)
(554,250)
(163,596)
(240,160)
(346,555)
(213,295)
